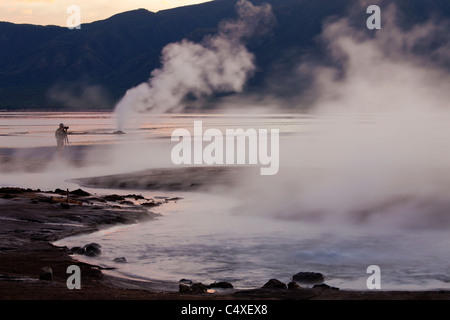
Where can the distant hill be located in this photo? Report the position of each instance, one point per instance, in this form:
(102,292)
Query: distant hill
(42,66)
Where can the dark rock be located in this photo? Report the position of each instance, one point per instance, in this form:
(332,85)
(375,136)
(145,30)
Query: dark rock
(199,288)
(221,284)
(126,202)
(60,191)
(92,249)
(324,286)
(185,281)
(90,254)
(151,204)
(195,288)
(120,260)
(113,197)
(183,288)
(46,273)
(293,285)
(274,284)
(77,250)
(97,199)
(12,190)
(136,196)
(309,277)
(8,196)
(80,192)
(92,246)
(118,132)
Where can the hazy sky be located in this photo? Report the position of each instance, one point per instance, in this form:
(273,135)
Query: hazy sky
(46,12)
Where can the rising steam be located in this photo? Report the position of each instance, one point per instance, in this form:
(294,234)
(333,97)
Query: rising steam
(219,64)
(378,150)
(374,149)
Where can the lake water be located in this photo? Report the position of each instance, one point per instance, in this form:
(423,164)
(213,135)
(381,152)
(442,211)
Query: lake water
(340,203)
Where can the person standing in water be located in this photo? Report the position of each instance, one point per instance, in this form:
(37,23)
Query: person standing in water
(61,136)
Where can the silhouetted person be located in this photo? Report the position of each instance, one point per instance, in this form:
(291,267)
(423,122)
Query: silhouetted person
(61,136)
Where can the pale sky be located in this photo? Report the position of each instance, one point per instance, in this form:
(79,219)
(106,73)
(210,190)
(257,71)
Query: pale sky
(45,12)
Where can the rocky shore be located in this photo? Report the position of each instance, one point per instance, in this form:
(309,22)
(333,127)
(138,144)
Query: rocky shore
(30,220)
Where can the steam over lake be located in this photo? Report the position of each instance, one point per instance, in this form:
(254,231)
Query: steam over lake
(352,191)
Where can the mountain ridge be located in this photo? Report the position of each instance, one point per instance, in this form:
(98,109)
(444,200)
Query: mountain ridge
(42,66)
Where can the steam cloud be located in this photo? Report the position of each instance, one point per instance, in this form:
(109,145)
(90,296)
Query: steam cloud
(75,96)
(377,149)
(385,73)
(220,64)
(377,152)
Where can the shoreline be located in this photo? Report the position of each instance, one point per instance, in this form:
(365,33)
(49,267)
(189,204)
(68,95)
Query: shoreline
(31,221)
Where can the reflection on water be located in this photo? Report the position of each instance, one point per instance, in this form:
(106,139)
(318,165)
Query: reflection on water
(36,129)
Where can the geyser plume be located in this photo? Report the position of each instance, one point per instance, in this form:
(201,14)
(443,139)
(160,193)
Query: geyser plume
(377,152)
(219,64)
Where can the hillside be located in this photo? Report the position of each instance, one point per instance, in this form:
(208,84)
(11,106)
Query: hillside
(43,67)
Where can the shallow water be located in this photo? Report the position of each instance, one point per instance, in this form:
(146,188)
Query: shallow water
(196,239)
(256,233)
